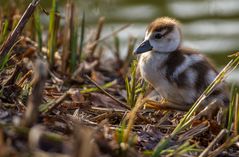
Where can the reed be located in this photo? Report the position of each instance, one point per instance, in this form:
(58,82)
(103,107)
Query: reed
(38,28)
(52,33)
(82,36)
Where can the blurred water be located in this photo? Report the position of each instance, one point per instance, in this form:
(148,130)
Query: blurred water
(210,26)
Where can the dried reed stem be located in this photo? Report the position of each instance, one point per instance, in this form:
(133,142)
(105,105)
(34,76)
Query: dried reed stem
(217,139)
(35,99)
(12,38)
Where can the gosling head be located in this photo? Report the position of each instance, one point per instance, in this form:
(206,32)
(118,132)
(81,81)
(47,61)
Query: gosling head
(162,35)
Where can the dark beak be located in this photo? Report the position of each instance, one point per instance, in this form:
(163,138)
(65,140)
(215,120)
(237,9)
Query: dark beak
(143,47)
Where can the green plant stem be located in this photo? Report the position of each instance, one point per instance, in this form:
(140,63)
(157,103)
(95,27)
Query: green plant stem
(52,33)
(82,35)
(38,29)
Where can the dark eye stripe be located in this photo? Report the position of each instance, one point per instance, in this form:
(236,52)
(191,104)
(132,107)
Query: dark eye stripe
(158,36)
(167,30)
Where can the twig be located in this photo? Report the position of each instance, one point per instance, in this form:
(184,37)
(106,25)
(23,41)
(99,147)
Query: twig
(97,36)
(217,139)
(82,35)
(118,101)
(128,58)
(12,38)
(108,94)
(166,105)
(66,38)
(236,115)
(55,103)
(224,146)
(35,99)
(194,131)
(27,75)
(14,75)
(107,109)
(112,34)
(234,54)
(140,102)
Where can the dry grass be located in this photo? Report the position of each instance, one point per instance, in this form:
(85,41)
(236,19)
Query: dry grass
(85,106)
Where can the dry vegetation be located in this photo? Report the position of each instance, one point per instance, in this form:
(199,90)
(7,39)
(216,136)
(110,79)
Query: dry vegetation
(61,97)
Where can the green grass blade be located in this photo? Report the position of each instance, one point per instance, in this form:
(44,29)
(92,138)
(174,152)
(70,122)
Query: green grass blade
(4,32)
(117,46)
(128,90)
(95,89)
(73,52)
(38,28)
(82,36)
(164,143)
(5,60)
(7,57)
(52,33)
(133,88)
(231,108)
(236,115)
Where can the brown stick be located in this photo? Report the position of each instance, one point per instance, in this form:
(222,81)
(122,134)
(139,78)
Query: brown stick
(236,115)
(26,76)
(12,38)
(222,133)
(14,75)
(115,32)
(67,33)
(56,103)
(39,80)
(108,94)
(122,104)
(97,36)
(166,105)
(224,146)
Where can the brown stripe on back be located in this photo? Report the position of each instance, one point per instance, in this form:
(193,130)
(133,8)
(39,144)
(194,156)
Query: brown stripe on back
(174,60)
(216,92)
(202,69)
(188,51)
(182,80)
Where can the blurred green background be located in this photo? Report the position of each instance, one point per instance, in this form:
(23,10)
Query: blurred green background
(210,26)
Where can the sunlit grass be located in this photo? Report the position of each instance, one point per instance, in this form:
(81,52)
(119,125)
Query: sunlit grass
(189,117)
(231,110)
(133,86)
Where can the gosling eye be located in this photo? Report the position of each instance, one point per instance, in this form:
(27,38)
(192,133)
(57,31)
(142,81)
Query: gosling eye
(158,36)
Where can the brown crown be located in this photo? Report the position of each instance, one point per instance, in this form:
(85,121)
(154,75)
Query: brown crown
(162,23)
